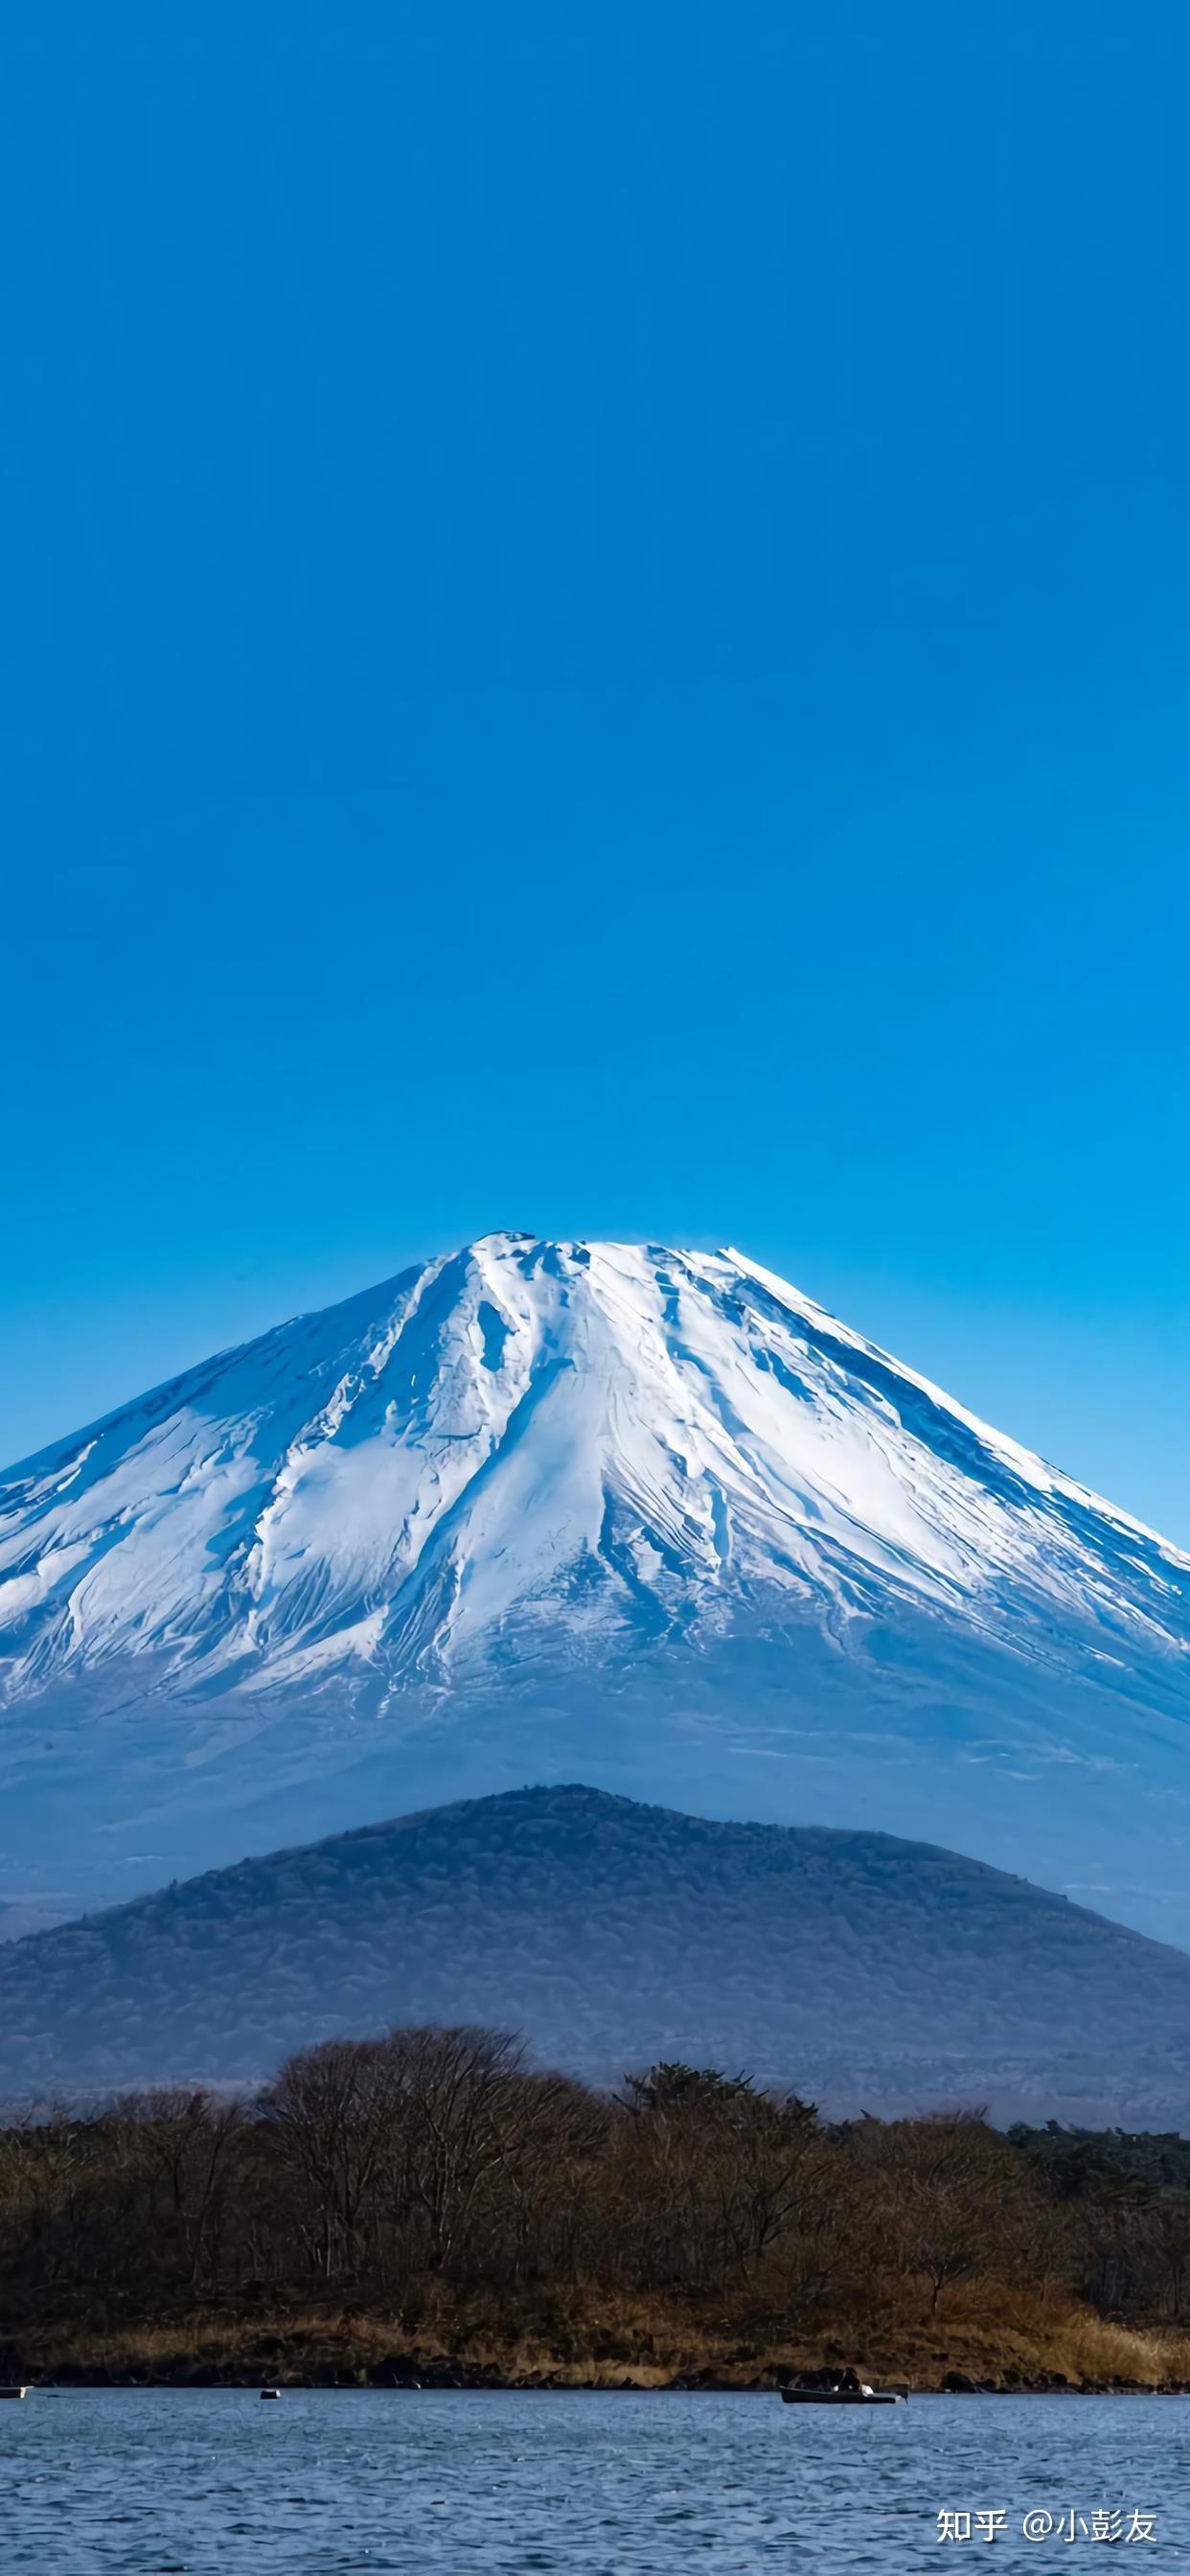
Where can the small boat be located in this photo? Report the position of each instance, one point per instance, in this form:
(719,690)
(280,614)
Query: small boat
(270,2392)
(14,2392)
(861,2396)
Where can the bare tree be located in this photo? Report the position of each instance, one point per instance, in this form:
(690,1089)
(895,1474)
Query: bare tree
(460,2111)
(717,2169)
(949,2194)
(329,2111)
(186,2138)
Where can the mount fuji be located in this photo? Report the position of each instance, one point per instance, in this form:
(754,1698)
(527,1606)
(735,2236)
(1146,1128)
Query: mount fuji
(539,1511)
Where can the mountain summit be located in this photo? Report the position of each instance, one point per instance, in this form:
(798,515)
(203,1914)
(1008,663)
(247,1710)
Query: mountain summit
(537,1507)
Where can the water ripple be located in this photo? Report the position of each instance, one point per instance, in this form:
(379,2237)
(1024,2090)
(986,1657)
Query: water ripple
(209,2483)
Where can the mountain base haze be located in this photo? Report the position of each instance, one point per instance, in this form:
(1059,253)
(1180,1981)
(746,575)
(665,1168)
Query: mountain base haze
(855,1968)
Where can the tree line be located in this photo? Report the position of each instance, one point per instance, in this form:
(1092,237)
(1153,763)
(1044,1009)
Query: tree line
(436,2165)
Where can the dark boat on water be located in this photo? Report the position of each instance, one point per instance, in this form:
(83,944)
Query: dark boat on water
(843,2397)
(848,2389)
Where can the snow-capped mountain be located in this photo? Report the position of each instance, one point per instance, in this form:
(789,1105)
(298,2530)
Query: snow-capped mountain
(532,1510)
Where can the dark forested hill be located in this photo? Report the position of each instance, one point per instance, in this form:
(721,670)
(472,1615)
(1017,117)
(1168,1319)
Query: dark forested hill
(858,1968)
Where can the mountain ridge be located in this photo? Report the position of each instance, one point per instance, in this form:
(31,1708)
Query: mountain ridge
(862,1969)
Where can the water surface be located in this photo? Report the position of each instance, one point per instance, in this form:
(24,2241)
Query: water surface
(210,2482)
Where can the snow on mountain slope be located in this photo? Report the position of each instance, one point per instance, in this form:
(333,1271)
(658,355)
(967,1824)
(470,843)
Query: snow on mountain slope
(532,1508)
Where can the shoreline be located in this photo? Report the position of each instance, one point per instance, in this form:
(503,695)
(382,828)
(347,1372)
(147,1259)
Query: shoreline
(985,2347)
(436,2378)
(461,2387)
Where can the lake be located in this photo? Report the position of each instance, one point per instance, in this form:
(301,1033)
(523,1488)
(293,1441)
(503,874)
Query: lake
(210,2482)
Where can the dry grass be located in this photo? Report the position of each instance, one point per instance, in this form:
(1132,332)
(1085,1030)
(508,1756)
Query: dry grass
(571,2340)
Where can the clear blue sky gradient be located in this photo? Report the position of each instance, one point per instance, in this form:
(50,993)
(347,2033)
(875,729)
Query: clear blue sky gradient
(595,638)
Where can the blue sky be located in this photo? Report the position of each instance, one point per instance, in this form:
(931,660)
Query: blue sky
(594,638)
